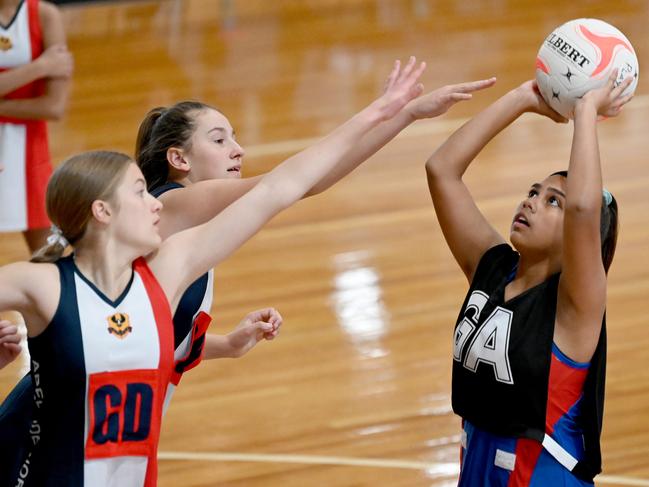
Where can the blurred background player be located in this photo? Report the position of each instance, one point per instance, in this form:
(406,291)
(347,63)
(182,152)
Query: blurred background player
(34,84)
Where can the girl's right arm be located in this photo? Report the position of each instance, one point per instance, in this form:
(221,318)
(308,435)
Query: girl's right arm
(176,266)
(467,232)
(31,289)
(201,201)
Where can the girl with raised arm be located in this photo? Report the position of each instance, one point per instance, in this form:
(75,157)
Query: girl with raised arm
(100,320)
(530,341)
(193,163)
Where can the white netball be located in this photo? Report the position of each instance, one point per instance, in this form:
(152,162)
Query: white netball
(579,56)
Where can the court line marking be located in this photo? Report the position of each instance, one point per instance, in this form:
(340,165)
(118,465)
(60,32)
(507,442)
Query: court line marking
(436,469)
(616,479)
(303,459)
(422,127)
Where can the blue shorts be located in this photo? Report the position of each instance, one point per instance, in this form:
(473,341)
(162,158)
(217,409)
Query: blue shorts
(490,461)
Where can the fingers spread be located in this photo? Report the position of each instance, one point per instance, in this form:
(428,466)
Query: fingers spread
(408,69)
(414,76)
(617,91)
(393,75)
(611,78)
(474,85)
(623,100)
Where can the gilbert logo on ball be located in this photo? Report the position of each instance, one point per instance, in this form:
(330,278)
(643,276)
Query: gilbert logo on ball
(579,56)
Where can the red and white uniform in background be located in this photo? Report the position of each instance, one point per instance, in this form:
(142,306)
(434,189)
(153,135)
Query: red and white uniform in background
(24,150)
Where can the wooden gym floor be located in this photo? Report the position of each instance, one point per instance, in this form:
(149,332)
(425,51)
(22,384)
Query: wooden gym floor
(356,390)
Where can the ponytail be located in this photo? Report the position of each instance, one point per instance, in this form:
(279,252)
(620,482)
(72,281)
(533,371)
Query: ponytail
(162,129)
(145,154)
(50,252)
(73,187)
(608,227)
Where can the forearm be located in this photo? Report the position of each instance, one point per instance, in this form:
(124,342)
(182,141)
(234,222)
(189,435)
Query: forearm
(582,287)
(42,108)
(584,188)
(337,152)
(371,143)
(217,346)
(13,79)
(453,157)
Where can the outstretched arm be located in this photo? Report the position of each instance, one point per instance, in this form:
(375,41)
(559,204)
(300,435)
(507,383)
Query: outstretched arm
(467,232)
(431,105)
(582,286)
(201,201)
(212,242)
(52,104)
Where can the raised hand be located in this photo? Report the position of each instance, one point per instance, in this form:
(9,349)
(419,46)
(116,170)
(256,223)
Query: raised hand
(57,62)
(9,343)
(401,87)
(534,102)
(608,100)
(440,100)
(258,325)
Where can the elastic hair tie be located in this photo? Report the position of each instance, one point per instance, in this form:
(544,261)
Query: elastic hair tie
(608,197)
(56,237)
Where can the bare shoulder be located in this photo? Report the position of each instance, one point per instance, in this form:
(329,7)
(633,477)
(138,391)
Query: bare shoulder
(32,289)
(51,23)
(166,266)
(33,276)
(48,12)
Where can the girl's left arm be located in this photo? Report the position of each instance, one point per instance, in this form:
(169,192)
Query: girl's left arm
(263,324)
(582,286)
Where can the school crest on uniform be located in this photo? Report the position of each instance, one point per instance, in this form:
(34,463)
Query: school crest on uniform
(5,43)
(119,325)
